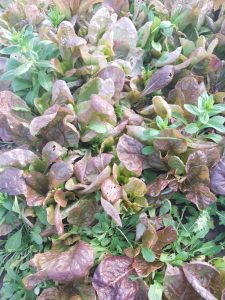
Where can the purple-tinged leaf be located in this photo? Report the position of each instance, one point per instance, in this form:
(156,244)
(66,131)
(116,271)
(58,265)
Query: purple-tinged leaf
(70,132)
(97,182)
(37,181)
(61,93)
(176,286)
(5,229)
(58,220)
(129,153)
(116,131)
(168,58)
(68,40)
(60,172)
(155,187)
(189,90)
(104,109)
(12,182)
(84,212)
(195,159)
(19,158)
(111,280)
(87,169)
(111,211)
(117,5)
(170,140)
(99,24)
(53,126)
(49,294)
(135,187)
(204,278)
(200,195)
(37,186)
(33,198)
(60,198)
(213,156)
(154,161)
(124,37)
(69,292)
(165,236)
(223,295)
(63,267)
(149,238)
(217,177)
(159,80)
(15,117)
(33,14)
(143,268)
(114,73)
(52,151)
(196,56)
(111,190)
(43,121)
(196,168)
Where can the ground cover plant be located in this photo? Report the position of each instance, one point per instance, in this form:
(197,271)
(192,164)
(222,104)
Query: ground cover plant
(112,162)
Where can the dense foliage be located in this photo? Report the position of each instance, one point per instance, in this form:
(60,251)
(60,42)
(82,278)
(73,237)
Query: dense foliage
(112,162)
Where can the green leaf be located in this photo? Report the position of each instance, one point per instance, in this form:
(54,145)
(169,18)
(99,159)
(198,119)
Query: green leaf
(204,117)
(191,128)
(176,163)
(97,127)
(167,258)
(9,75)
(217,123)
(24,266)
(20,84)
(19,108)
(10,50)
(12,274)
(192,109)
(219,263)
(182,256)
(165,24)
(41,214)
(213,136)
(45,80)
(221,215)
(35,237)
(24,68)
(151,133)
(93,86)
(217,109)
(148,254)
(32,94)
(44,64)
(12,64)
(162,124)
(155,291)
(209,249)
(156,46)
(179,117)
(165,208)
(148,150)
(12,73)
(217,119)
(187,46)
(14,241)
(168,31)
